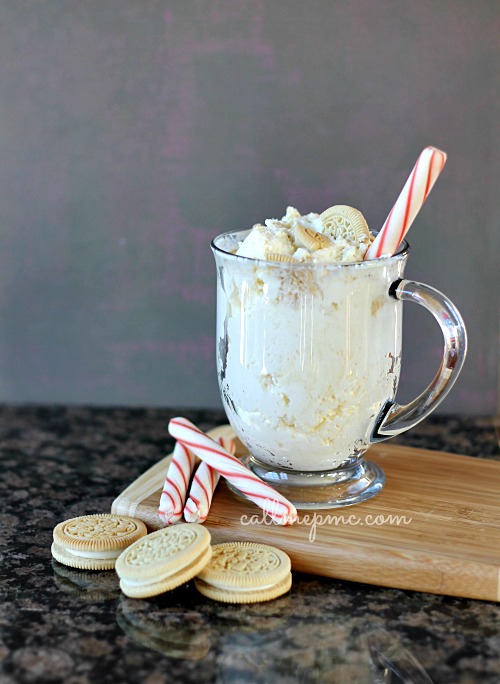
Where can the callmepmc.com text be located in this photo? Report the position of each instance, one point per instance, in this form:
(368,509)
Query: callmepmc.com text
(315,520)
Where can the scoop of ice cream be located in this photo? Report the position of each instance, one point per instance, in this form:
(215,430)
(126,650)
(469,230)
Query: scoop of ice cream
(273,238)
(302,239)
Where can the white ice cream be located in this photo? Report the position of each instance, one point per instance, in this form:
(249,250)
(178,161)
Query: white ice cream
(308,351)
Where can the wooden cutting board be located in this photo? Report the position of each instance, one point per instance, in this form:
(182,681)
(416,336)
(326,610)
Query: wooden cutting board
(435,527)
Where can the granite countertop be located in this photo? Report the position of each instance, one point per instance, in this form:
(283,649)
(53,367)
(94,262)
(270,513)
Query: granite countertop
(64,625)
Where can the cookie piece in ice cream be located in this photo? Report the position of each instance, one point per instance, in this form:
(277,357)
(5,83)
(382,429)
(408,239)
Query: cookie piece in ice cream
(311,239)
(281,258)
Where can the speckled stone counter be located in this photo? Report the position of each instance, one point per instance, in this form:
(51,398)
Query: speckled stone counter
(62,625)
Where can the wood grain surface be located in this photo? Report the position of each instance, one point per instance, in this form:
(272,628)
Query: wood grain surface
(435,527)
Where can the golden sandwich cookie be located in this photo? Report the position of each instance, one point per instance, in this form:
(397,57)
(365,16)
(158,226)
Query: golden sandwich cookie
(346,222)
(164,560)
(94,542)
(244,572)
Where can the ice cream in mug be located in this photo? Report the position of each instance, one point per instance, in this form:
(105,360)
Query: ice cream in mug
(307,352)
(309,318)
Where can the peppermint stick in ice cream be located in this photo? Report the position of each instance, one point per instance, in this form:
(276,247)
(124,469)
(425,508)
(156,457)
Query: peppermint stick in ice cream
(413,195)
(176,484)
(272,502)
(202,489)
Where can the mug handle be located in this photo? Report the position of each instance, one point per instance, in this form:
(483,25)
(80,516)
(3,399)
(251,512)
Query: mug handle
(394,418)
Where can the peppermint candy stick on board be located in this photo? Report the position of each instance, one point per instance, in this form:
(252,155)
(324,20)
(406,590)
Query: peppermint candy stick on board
(176,484)
(272,502)
(202,489)
(413,195)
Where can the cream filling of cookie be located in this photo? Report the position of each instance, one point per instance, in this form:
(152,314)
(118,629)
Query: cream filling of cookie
(225,587)
(147,582)
(160,577)
(101,555)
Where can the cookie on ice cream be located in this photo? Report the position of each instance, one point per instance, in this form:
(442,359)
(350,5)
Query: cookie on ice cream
(345,222)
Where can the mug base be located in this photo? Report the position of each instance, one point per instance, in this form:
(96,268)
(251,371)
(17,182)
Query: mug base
(320,490)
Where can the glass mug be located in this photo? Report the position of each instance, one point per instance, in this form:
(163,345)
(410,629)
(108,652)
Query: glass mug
(308,362)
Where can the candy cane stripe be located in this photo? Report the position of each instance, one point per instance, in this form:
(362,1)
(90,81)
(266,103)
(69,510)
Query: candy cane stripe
(388,221)
(176,483)
(215,456)
(203,486)
(164,492)
(411,199)
(429,175)
(190,506)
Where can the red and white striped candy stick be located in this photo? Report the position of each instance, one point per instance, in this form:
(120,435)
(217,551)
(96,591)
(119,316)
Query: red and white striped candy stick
(176,484)
(418,186)
(202,489)
(272,502)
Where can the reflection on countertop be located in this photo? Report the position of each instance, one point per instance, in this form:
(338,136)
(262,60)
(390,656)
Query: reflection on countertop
(71,626)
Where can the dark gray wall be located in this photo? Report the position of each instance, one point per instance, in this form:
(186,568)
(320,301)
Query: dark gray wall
(132,132)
